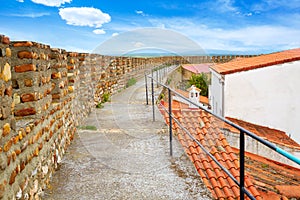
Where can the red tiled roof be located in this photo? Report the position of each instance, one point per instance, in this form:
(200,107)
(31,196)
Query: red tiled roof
(204,127)
(273,135)
(261,61)
(273,180)
(197,68)
(202,99)
(265,179)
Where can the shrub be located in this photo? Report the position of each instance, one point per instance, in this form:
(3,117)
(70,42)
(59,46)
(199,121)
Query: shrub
(130,82)
(99,105)
(105,97)
(200,81)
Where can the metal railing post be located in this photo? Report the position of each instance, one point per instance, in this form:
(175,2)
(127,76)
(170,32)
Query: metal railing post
(170,121)
(161,75)
(242,164)
(157,78)
(152,92)
(146,83)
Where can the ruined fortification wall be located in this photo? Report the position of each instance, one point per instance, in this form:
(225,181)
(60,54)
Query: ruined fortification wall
(44,94)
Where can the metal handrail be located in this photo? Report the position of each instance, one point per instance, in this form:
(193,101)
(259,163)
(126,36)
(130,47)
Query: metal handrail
(242,130)
(265,142)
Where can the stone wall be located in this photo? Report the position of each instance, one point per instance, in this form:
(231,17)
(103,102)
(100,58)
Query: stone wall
(213,58)
(45,93)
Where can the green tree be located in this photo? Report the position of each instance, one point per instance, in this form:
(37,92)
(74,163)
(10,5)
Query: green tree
(200,81)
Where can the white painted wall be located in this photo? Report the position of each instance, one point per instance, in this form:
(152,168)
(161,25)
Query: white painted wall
(216,93)
(267,96)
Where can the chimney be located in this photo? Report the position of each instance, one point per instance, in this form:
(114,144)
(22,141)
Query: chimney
(194,96)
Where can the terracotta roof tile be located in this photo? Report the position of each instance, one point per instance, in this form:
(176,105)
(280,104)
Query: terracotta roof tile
(273,135)
(216,180)
(268,195)
(261,61)
(289,191)
(273,179)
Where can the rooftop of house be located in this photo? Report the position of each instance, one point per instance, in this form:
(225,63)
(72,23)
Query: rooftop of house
(272,135)
(271,178)
(197,68)
(245,64)
(261,173)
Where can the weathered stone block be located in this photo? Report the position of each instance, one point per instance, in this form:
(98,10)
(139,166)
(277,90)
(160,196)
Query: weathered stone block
(4,39)
(7,145)
(8,52)
(16,99)
(6,73)
(25,68)
(70,67)
(6,129)
(71,88)
(56,75)
(23,44)
(12,177)
(27,54)
(29,97)
(28,82)
(8,91)
(25,112)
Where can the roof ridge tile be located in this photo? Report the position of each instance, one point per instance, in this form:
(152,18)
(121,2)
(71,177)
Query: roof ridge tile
(264,60)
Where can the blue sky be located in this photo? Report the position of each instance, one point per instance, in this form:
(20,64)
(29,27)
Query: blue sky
(215,25)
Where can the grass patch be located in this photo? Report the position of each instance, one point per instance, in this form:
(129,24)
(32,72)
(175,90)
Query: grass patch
(99,105)
(264,166)
(161,96)
(105,97)
(169,81)
(88,127)
(131,82)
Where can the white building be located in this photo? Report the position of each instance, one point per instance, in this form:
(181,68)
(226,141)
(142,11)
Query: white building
(263,90)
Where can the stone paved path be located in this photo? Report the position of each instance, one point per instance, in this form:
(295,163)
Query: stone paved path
(127,157)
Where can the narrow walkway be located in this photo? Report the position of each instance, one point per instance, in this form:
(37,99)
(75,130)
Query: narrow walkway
(126,158)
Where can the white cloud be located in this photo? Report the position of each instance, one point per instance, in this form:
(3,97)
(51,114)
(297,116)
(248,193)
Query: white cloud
(84,16)
(274,4)
(21,1)
(31,15)
(138,44)
(225,6)
(247,38)
(140,12)
(114,34)
(53,3)
(99,31)
(148,38)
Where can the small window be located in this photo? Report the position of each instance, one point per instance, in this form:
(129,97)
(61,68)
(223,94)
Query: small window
(192,94)
(196,94)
